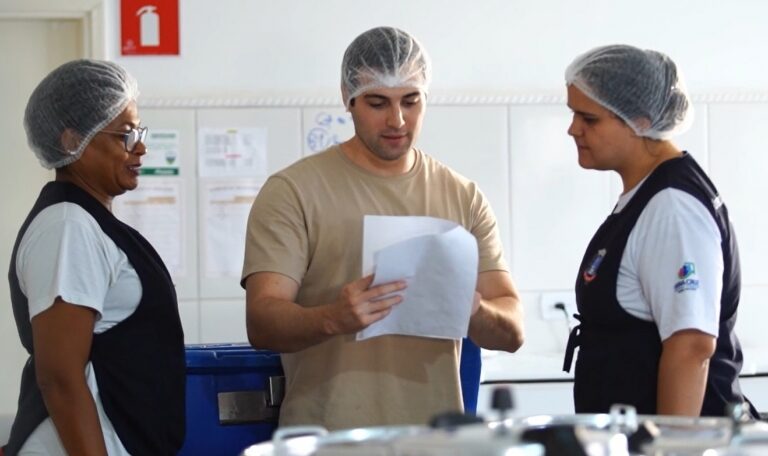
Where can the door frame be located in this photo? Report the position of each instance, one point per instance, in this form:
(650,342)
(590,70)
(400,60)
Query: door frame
(91,25)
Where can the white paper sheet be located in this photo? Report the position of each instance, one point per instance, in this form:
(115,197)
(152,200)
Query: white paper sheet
(227,205)
(154,210)
(438,259)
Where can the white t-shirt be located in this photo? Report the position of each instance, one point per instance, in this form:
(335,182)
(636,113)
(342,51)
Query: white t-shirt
(671,271)
(65,253)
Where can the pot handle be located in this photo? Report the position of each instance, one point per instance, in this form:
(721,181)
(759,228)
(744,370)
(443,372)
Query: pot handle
(291,432)
(623,418)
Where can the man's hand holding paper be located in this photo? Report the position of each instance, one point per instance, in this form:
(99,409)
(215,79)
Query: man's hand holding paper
(439,261)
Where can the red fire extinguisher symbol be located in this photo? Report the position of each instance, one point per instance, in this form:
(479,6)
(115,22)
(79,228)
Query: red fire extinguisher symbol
(149,28)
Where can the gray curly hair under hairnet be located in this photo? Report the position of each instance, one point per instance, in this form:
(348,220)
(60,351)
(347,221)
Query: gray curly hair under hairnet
(81,95)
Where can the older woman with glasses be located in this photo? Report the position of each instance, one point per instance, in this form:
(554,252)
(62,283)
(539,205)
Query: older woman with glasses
(94,305)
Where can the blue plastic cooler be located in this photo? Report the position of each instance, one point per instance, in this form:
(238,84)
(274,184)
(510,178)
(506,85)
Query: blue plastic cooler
(233,398)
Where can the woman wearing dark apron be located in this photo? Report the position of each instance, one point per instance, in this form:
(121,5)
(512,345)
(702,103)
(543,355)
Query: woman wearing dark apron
(94,305)
(659,285)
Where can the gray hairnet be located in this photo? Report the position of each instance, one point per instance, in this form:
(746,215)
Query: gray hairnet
(81,95)
(643,87)
(384,57)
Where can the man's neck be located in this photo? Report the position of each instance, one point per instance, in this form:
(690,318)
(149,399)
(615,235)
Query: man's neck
(359,154)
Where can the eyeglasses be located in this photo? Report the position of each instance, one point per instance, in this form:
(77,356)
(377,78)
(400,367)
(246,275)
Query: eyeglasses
(130,137)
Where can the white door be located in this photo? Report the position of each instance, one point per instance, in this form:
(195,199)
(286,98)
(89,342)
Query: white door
(30,49)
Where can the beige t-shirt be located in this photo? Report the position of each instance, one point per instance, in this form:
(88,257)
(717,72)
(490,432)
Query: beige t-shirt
(307,223)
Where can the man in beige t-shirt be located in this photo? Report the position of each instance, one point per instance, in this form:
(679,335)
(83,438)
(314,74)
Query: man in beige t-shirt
(304,294)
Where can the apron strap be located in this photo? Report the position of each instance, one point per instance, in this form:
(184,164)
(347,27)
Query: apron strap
(574,340)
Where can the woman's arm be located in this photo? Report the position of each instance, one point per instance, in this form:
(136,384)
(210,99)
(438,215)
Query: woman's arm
(62,336)
(683,370)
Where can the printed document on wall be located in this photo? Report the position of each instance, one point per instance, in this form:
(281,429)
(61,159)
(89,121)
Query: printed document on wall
(163,157)
(227,205)
(154,209)
(232,152)
(438,260)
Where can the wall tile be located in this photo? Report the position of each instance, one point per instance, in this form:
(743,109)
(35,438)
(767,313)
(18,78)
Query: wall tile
(189,311)
(750,325)
(222,321)
(473,141)
(696,139)
(556,205)
(739,161)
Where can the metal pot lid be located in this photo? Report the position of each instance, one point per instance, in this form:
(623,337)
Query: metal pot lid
(289,441)
(481,439)
(486,439)
(311,440)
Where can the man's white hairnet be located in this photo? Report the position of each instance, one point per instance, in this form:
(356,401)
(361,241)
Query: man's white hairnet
(384,57)
(83,96)
(643,87)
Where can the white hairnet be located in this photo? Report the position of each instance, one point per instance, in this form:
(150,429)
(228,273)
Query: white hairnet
(643,87)
(81,95)
(384,57)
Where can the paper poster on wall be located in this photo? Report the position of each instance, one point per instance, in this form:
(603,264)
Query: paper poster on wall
(326,127)
(232,152)
(154,210)
(162,157)
(226,206)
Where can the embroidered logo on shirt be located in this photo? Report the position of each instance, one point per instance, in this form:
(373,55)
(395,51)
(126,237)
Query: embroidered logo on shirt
(686,271)
(591,272)
(687,281)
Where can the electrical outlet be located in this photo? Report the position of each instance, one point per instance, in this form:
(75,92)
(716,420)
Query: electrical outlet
(550,299)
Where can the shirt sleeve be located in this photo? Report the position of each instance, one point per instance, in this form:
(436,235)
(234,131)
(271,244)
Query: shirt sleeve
(276,238)
(61,254)
(486,231)
(680,263)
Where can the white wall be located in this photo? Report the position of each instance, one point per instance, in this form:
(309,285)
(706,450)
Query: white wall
(235,47)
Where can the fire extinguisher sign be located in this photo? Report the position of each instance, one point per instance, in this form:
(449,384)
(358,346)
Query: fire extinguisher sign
(149,27)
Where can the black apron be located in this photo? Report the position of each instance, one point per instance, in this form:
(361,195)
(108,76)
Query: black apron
(619,353)
(139,363)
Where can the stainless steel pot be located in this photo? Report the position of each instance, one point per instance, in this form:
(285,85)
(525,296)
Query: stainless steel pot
(486,439)
(619,433)
(602,434)
(706,436)
(307,440)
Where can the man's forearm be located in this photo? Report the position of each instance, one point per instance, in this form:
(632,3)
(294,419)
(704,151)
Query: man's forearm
(498,324)
(286,327)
